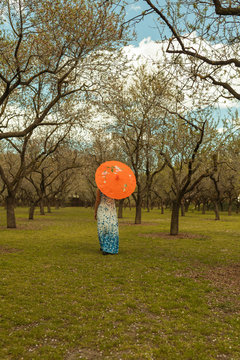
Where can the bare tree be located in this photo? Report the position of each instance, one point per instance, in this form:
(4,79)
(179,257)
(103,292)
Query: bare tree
(207,34)
(50,51)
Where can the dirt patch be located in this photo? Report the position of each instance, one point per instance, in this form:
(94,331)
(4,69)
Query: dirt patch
(227,277)
(227,280)
(224,298)
(142,224)
(24,224)
(224,277)
(6,250)
(168,236)
(27,326)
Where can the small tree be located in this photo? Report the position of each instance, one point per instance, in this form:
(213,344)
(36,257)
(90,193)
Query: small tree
(20,158)
(54,178)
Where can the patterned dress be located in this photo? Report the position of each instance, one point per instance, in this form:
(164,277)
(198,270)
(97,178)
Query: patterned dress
(107,224)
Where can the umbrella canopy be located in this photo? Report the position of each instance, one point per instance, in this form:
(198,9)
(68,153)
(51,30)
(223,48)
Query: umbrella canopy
(115,179)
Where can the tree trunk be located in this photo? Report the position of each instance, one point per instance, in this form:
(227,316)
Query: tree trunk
(129,204)
(31,212)
(148,203)
(216,210)
(186,205)
(230,207)
(11,219)
(120,208)
(41,207)
(182,210)
(237,208)
(175,218)
(161,206)
(138,215)
(57,204)
(221,205)
(49,208)
(203,208)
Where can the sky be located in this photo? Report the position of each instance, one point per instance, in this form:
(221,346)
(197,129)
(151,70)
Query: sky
(145,28)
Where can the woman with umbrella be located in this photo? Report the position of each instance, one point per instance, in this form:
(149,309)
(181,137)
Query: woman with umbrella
(115,180)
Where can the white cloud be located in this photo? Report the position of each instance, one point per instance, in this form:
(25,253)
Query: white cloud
(148,50)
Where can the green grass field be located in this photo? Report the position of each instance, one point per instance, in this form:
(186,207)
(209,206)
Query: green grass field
(161,297)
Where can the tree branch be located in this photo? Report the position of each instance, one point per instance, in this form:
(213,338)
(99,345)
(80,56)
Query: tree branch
(227,10)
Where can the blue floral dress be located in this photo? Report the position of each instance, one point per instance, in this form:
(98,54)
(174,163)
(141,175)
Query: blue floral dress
(107,225)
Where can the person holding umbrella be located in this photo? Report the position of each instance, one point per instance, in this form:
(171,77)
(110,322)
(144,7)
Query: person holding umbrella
(114,180)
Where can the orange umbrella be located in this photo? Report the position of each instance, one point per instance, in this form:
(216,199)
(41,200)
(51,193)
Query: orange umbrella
(115,179)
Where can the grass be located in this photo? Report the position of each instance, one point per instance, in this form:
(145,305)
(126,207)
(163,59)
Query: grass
(162,297)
